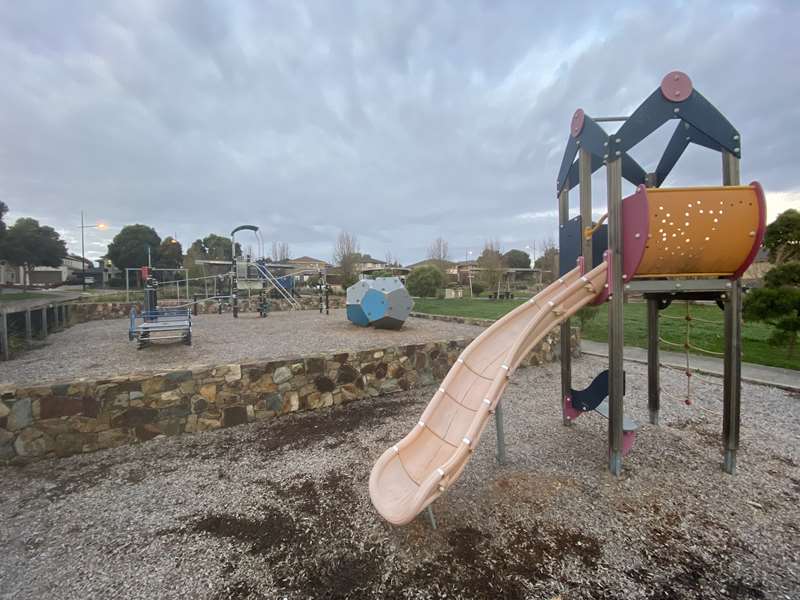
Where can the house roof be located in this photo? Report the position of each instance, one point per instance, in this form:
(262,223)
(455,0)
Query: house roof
(307,259)
(431,261)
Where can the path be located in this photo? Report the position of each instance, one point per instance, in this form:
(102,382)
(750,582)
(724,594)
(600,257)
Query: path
(787,379)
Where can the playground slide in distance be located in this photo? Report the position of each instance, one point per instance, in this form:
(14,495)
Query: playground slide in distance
(412,474)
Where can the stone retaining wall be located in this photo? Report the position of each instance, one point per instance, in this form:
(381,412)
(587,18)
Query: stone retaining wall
(82,416)
(97,311)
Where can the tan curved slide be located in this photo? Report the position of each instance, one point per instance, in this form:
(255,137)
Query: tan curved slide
(425,463)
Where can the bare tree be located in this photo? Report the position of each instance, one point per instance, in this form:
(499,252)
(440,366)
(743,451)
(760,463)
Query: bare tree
(280,251)
(439,251)
(391,259)
(346,255)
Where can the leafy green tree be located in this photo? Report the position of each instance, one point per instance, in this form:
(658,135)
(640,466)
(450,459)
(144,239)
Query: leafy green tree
(129,247)
(547,263)
(778,304)
(517,259)
(170,254)
(29,245)
(782,237)
(218,247)
(425,281)
(491,264)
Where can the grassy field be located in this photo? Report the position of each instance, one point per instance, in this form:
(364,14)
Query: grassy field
(15,296)
(707,335)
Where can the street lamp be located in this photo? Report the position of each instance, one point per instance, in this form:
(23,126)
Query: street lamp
(83,251)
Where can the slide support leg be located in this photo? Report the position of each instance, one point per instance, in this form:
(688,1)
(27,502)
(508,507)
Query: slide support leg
(615,317)
(28,327)
(732,377)
(4,336)
(431,517)
(501,434)
(566,347)
(653,370)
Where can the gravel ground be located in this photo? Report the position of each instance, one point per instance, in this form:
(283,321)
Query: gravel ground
(101,348)
(281,509)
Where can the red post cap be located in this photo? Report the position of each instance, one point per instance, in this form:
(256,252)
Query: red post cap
(676,86)
(577,123)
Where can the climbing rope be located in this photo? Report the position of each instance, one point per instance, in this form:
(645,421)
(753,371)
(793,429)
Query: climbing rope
(688,345)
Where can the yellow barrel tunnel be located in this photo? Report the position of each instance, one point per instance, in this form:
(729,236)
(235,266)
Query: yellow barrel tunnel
(693,231)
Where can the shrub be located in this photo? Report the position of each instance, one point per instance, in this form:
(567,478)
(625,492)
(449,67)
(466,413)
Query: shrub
(478,288)
(424,281)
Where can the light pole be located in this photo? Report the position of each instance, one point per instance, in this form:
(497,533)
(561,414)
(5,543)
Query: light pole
(469,272)
(83,251)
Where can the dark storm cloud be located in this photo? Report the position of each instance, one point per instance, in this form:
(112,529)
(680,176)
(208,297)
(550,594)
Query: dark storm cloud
(397,121)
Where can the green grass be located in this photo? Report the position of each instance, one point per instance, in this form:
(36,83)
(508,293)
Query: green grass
(466,307)
(709,336)
(13,297)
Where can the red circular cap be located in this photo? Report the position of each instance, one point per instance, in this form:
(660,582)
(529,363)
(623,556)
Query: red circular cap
(577,123)
(676,86)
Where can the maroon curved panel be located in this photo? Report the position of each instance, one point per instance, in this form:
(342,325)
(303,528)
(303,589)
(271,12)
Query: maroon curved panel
(576,126)
(635,231)
(759,232)
(676,86)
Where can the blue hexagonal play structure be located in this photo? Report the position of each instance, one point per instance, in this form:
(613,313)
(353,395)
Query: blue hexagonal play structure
(382,302)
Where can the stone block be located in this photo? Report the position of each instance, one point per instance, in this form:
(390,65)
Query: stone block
(67,444)
(20,415)
(234,415)
(112,438)
(234,373)
(32,443)
(134,417)
(324,384)
(209,392)
(4,410)
(282,375)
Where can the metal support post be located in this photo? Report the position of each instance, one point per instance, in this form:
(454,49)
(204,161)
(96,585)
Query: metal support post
(431,518)
(585,179)
(28,327)
(732,376)
(56,320)
(501,434)
(615,316)
(566,346)
(4,336)
(44,322)
(653,368)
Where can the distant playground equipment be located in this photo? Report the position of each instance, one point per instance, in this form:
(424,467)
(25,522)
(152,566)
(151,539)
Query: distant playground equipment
(382,302)
(682,243)
(158,324)
(324,291)
(248,272)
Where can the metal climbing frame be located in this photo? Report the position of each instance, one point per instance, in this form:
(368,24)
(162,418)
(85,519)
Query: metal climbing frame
(666,244)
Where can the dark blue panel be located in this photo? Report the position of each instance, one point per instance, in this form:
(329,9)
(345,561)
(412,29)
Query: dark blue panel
(599,244)
(704,116)
(632,170)
(569,245)
(569,155)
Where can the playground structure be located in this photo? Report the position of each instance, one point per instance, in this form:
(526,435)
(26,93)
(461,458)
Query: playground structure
(158,324)
(682,243)
(382,302)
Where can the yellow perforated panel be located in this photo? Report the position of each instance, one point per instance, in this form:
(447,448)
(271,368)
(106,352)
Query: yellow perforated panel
(706,231)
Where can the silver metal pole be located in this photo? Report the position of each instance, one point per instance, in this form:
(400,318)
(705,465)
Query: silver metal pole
(732,370)
(585,179)
(615,316)
(653,367)
(4,336)
(566,346)
(431,518)
(127,286)
(501,434)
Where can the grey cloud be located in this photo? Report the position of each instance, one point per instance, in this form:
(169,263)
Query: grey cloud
(397,121)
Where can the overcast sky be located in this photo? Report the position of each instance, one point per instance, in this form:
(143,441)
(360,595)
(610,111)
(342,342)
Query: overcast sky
(398,121)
